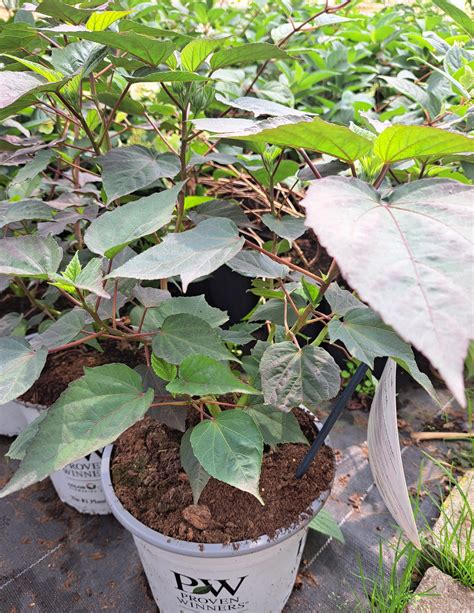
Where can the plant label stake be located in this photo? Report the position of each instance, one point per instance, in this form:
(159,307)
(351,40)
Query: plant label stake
(331,420)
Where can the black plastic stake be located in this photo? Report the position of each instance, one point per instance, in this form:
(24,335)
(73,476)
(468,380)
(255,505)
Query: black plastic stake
(331,419)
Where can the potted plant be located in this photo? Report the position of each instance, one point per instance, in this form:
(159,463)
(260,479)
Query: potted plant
(224,414)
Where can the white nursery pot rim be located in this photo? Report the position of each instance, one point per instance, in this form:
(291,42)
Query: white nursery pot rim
(196,549)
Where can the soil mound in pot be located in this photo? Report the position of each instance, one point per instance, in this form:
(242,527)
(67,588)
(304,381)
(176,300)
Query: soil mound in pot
(66,366)
(151,484)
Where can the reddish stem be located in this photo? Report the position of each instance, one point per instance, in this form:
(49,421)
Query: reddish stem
(80,341)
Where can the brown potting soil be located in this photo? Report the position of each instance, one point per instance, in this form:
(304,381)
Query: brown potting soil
(151,484)
(66,366)
(308,244)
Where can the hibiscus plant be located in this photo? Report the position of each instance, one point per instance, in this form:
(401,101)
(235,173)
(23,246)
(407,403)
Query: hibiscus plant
(107,226)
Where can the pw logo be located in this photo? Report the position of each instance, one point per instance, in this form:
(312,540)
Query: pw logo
(206,586)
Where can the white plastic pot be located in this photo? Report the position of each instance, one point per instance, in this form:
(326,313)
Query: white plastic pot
(247,576)
(79,485)
(15,416)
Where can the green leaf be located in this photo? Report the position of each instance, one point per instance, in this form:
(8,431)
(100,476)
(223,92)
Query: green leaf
(11,324)
(292,376)
(456,84)
(32,168)
(178,37)
(311,291)
(19,90)
(191,254)
(260,106)
(294,132)
(11,212)
(62,11)
(128,169)
(254,264)
(125,104)
(145,48)
(340,300)
(80,57)
(196,51)
(276,427)
(198,477)
(274,310)
(241,333)
(29,256)
(411,90)
(92,412)
(166,76)
(112,231)
(20,366)
(50,75)
(173,416)
(14,36)
(200,375)
(246,54)
(404,142)
(19,447)
(325,523)
(62,331)
(366,337)
(285,169)
(163,369)
(101,20)
(286,226)
(421,285)
(457,15)
(90,279)
(184,335)
(74,268)
(230,449)
(216,208)
(150,296)
(190,305)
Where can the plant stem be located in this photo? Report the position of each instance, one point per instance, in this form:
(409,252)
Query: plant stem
(84,125)
(114,305)
(183,174)
(171,97)
(312,167)
(288,297)
(79,341)
(295,30)
(35,303)
(91,312)
(303,318)
(379,180)
(321,337)
(142,320)
(160,135)
(112,115)
(333,272)
(147,354)
(280,260)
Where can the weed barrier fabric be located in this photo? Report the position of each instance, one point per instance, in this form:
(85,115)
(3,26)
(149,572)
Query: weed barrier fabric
(54,559)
